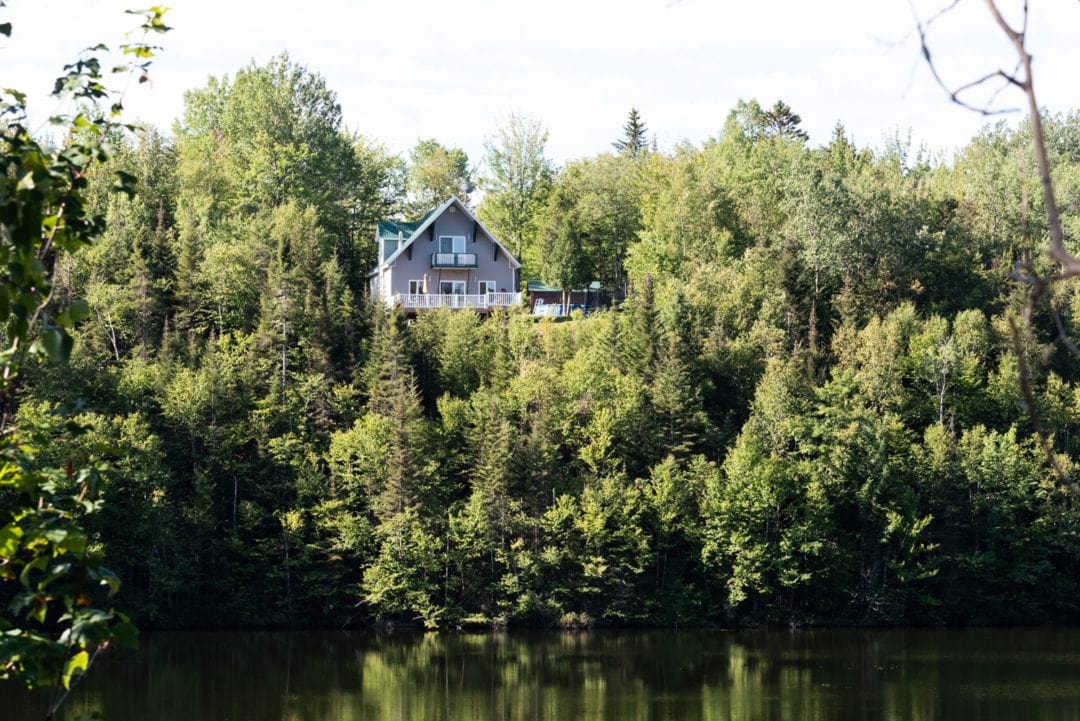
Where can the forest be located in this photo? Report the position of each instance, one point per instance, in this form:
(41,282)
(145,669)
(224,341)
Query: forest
(808,409)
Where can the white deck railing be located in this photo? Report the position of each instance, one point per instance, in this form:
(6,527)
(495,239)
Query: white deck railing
(457,300)
(453,260)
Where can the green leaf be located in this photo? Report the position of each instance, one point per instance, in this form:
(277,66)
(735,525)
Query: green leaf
(77,311)
(73,542)
(10,540)
(75,665)
(5,29)
(56,535)
(57,344)
(39,563)
(125,183)
(139,51)
(111,580)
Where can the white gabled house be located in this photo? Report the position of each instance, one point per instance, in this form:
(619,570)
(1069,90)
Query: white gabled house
(447,259)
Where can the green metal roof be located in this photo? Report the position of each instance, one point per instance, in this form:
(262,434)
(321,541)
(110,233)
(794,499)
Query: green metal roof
(391,228)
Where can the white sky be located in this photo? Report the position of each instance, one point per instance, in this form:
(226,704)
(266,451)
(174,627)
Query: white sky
(405,69)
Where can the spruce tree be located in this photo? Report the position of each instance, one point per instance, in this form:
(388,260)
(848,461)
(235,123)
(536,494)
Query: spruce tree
(393,394)
(633,141)
(642,346)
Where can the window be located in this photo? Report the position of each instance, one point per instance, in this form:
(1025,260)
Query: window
(451,243)
(416,287)
(452,287)
(487,286)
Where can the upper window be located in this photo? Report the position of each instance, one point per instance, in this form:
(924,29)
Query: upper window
(416,287)
(451,243)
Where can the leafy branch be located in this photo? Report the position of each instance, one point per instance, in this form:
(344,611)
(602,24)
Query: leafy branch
(52,629)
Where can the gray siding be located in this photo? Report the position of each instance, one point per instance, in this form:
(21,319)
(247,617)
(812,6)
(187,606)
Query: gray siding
(415,261)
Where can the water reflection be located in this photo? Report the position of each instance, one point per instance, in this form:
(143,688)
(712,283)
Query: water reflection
(638,676)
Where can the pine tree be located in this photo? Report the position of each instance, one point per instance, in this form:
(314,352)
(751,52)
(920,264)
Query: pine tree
(141,287)
(783,122)
(633,141)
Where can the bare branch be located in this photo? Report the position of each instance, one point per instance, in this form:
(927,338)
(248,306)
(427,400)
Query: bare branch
(1008,79)
(1063,335)
(990,101)
(1069,263)
(954,94)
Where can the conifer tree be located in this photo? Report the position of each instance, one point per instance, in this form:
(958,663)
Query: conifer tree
(190,315)
(634,140)
(677,403)
(643,341)
(394,395)
(782,121)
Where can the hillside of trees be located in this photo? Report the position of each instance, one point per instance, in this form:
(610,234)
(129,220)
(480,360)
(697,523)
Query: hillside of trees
(807,411)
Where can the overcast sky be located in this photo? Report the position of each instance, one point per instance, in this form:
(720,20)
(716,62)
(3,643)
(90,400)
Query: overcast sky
(406,69)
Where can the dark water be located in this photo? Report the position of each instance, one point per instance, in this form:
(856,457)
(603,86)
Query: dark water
(982,675)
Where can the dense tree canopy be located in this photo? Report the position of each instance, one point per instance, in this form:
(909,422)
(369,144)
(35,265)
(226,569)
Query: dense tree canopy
(805,407)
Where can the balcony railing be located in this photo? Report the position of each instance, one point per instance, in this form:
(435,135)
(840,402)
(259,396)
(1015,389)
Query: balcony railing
(453,260)
(457,300)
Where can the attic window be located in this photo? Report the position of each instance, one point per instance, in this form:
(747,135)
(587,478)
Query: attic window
(453,209)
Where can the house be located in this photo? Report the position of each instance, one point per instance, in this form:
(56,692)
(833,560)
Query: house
(447,259)
(549,301)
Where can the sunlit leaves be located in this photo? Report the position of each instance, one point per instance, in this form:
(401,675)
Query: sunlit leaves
(52,574)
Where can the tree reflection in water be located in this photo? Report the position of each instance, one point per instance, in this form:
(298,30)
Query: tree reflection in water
(629,676)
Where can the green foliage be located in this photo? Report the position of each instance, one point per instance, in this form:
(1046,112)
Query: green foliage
(435,173)
(402,580)
(803,407)
(591,220)
(52,574)
(49,558)
(518,178)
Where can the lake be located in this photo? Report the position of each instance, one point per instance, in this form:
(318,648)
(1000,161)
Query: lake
(910,675)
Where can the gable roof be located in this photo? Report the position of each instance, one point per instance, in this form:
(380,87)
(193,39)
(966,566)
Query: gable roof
(392,227)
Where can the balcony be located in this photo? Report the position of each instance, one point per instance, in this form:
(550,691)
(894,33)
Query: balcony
(424,301)
(453,260)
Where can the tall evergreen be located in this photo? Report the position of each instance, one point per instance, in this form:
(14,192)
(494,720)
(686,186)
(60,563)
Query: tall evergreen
(394,396)
(782,121)
(634,140)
